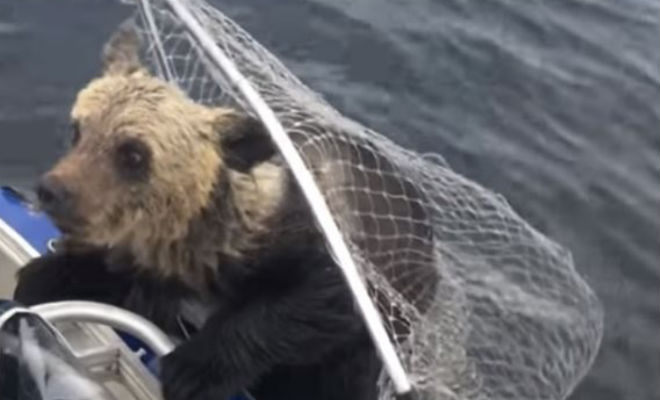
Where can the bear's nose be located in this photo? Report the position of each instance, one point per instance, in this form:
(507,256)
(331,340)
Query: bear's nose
(53,195)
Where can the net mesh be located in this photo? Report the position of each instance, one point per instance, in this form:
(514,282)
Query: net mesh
(479,304)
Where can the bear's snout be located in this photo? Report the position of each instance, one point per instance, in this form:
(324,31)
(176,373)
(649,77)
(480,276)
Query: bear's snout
(54,197)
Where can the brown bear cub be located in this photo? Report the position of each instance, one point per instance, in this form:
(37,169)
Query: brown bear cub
(169,206)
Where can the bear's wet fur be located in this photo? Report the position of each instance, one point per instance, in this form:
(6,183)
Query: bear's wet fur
(164,201)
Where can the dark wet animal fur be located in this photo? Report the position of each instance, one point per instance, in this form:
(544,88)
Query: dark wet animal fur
(283,336)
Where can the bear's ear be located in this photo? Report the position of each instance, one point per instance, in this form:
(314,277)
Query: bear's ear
(245,143)
(121,53)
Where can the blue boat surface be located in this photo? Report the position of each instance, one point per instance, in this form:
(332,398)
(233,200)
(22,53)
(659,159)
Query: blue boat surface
(33,226)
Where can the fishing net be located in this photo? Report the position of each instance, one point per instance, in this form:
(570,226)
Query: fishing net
(478,303)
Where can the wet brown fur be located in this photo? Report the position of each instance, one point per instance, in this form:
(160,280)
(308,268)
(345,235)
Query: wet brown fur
(153,221)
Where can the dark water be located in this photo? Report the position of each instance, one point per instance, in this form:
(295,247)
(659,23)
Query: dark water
(555,104)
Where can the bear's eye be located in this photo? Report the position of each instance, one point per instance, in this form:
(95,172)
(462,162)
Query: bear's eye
(75,133)
(133,158)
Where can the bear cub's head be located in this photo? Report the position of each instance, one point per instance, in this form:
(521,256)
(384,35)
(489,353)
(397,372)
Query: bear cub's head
(144,158)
